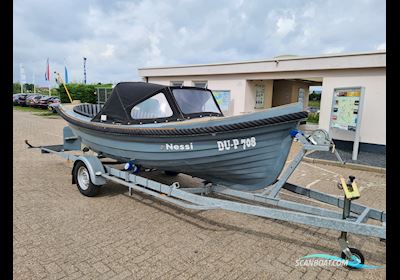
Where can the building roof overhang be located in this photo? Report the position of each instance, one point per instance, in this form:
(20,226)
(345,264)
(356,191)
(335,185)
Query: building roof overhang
(375,59)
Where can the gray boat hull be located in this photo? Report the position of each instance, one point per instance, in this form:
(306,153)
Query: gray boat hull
(246,160)
(245,152)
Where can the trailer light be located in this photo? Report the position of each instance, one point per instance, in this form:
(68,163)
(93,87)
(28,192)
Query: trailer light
(128,166)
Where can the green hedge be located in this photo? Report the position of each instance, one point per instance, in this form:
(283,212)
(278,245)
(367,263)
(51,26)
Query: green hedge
(315,96)
(83,92)
(313,118)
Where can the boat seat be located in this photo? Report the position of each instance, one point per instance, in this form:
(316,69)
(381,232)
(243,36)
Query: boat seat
(87,109)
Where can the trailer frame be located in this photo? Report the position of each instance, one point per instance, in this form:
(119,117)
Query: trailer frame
(352,219)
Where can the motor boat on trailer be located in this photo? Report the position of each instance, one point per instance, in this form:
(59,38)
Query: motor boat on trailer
(183,130)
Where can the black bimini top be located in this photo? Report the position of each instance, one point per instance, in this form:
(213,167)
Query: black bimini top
(140,103)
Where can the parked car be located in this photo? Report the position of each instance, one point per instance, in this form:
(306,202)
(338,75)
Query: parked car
(21,100)
(54,99)
(15,98)
(313,109)
(32,100)
(52,106)
(46,100)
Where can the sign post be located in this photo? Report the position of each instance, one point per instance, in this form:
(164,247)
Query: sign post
(346,113)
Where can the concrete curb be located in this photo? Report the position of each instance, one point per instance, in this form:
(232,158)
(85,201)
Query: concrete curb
(346,165)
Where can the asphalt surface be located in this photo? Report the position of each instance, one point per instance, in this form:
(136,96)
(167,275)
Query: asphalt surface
(60,234)
(376,159)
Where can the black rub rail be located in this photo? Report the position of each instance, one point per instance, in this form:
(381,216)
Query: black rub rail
(123,130)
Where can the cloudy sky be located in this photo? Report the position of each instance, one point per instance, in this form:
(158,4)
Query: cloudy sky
(117,37)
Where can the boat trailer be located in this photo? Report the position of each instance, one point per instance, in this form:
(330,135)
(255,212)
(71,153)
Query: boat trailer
(90,171)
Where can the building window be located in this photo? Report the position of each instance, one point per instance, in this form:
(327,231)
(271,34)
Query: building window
(152,108)
(302,93)
(177,83)
(200,84)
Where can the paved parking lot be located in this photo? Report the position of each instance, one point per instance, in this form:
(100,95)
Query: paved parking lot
(60,234)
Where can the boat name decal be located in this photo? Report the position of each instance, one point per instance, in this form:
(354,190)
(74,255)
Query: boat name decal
(244,143)
(176,147)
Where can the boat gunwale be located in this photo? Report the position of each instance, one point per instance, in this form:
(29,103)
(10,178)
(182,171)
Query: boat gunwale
(171,131)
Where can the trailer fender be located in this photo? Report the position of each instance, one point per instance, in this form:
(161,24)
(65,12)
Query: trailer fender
(71,141)
(94,165)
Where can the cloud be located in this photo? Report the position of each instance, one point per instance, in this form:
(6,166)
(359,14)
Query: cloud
(285,25)
(118,37)
(381,46)
(333,50)
(309,12)
(109,51)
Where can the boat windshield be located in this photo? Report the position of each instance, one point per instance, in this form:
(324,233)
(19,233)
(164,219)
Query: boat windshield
(155,107)
(193,101)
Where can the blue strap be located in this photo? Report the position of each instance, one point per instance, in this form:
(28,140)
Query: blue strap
(294,132)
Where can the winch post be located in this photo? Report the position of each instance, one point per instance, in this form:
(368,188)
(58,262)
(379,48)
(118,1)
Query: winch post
(350,192)
(321,145)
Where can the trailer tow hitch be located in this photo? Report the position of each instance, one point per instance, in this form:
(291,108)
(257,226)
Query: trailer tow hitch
(30,146)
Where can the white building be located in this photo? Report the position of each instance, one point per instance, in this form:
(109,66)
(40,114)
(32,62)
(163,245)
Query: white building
(286,79)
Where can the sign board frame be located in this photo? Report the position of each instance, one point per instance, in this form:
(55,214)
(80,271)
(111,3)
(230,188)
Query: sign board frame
(223,98)
(260,96)
(356,133)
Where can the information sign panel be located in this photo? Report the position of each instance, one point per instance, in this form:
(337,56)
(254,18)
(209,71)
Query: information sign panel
(223,98)
(346,112)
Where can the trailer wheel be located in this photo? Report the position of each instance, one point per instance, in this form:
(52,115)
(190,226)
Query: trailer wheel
(355,253)
(171,173)
(83,181)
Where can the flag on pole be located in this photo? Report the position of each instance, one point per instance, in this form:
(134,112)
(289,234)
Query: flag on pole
(47,73)
(65,75)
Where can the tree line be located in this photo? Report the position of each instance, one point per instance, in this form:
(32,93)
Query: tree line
(86,93)
(26,88)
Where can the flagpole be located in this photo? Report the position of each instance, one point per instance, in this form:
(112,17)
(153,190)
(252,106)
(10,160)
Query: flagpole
(48,73)
(22,76)
(34,87)
(65,87)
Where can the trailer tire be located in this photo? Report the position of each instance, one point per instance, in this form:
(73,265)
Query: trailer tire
(83,182)
(171,173)
(355,252)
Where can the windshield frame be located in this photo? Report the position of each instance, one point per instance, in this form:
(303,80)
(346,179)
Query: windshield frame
(196,114)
